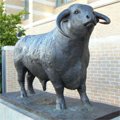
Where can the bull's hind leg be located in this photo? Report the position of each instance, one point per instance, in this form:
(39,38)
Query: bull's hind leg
(30,78)
(21,70)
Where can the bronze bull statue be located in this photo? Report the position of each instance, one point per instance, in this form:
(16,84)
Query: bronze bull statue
(61,55)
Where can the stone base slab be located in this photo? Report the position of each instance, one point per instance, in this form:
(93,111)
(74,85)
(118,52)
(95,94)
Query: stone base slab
(41,106)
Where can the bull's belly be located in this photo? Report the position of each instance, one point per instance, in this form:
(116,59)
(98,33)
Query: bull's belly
(74,77)
(36,69)
(71,81)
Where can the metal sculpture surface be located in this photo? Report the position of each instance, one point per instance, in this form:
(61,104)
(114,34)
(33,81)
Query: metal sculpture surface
(61,56)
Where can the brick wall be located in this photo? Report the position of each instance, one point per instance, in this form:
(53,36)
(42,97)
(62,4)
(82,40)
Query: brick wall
(9,70)
(103,81)
(103,77)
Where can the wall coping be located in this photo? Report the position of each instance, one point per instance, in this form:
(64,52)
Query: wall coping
(109,39)
(8,48)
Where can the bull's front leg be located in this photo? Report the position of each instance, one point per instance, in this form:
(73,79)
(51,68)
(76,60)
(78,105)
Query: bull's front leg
(59,89)
(83,95)
(60,101)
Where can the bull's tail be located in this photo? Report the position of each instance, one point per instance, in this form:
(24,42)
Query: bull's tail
(20,33)
(44,83)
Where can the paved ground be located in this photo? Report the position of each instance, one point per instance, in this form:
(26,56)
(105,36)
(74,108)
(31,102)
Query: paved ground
(42,104)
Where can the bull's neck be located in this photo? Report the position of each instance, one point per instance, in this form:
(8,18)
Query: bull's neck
(73,42)
(73,46)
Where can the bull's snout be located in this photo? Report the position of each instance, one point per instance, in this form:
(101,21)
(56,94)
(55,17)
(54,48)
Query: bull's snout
(90,20)
(95,17)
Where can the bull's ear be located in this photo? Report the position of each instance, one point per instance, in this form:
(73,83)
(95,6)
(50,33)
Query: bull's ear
(62,17)
(99,16)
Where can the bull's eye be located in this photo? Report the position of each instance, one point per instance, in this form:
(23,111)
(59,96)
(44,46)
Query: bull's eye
(76,11)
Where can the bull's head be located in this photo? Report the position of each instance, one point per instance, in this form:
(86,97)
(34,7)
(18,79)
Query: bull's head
(78,20)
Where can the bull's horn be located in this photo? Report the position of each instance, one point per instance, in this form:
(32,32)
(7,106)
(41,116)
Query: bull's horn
(60,17)
(103,17)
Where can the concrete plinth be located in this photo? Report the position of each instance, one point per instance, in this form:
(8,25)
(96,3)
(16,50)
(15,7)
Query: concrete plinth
(41,106)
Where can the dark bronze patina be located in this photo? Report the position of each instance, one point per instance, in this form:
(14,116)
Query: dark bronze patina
(61,56)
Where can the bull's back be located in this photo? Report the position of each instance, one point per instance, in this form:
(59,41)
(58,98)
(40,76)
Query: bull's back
(29,45)
(27,52)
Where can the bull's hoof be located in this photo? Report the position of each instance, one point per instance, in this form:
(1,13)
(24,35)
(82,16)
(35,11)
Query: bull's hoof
(23,95)
(31,91)
(60,105)
(88,107)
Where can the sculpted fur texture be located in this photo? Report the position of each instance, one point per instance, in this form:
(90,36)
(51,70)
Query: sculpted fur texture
(61,56)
